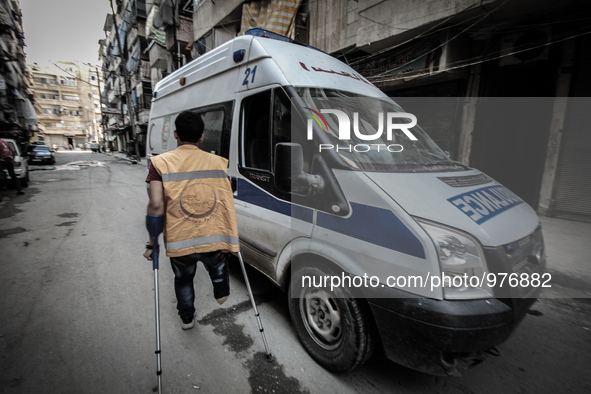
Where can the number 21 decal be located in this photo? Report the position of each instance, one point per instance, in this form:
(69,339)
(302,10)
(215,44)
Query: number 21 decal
(249,74)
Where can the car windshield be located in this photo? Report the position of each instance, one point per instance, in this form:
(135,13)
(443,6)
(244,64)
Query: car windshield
(42,148)
(378,139)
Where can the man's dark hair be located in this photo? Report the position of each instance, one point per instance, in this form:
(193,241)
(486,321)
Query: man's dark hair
(189,126)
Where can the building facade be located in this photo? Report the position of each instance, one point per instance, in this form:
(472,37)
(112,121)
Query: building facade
(17,112)
(155,38)
(500,85)
(69,106)
(509,77)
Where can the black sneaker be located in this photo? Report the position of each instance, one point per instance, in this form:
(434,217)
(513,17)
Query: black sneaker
(20,192)
(187,324)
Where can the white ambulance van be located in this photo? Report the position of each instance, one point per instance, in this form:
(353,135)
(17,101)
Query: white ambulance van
(381,241)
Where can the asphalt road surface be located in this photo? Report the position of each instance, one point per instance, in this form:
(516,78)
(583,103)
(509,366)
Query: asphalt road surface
(77,310)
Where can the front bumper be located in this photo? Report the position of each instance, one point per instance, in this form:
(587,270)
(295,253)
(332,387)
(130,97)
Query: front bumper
(445,337)
(42,160)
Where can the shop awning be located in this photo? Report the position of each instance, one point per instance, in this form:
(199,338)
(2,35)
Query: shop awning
(134,60)
(30,115)
(277,16)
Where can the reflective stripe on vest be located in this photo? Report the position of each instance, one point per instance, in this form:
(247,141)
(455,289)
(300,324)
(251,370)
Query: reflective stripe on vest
(185,176)
(201,241)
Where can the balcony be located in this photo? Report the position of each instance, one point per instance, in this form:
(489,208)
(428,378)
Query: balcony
(159,57)
(113,96)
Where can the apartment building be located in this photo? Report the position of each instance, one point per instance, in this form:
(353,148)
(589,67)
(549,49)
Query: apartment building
(145,55)
(17,112)
(530,55)
(69,106)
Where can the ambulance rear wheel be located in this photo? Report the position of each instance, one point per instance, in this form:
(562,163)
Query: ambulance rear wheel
(333,328)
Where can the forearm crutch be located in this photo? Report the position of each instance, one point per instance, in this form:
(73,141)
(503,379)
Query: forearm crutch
(155,224)
(254,306)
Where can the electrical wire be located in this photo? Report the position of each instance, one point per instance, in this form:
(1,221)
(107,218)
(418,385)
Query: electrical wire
(414,19)
(455,36)
(495,57)
(430,32)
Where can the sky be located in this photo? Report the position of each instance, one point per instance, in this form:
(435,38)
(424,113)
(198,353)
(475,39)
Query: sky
(63,30)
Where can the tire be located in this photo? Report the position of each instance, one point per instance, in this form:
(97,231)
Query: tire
(334,329)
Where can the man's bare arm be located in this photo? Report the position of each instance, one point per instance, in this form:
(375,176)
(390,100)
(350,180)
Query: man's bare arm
(156,205)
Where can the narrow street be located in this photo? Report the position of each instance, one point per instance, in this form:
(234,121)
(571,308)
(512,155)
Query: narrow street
(77,309)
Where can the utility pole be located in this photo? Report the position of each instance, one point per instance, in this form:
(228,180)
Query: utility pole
(127,81)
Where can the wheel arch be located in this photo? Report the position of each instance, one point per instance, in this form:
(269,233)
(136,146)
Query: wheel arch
(306,248)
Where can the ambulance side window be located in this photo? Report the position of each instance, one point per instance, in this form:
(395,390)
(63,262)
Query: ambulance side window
(257,144)
(266,121)
(281,118)
(217,122)
(212,132)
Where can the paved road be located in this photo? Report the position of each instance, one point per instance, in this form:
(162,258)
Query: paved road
(77,311)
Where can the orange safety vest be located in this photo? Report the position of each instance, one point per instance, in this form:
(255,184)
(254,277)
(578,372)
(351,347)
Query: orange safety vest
(200,214)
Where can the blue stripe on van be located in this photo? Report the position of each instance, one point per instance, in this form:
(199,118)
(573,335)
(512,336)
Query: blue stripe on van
(251,194)
(377,226)
(374,225)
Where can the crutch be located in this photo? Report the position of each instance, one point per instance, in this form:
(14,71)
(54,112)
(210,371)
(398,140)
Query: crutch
(254,306)
(155,224)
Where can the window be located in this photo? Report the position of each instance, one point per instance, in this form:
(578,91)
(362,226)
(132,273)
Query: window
(213,122)
(217,122)
(68,81)
(50,110)
(46,80)
(71,98)
(146,99)
(257,144)
(49,95)
(266,122)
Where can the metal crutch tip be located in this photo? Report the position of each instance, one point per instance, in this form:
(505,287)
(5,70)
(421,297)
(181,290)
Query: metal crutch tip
(270,358)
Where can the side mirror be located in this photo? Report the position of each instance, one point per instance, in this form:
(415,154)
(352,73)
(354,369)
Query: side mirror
(289,171)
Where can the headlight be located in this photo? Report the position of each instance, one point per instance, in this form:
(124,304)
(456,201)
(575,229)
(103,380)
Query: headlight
(17,164)
(462,262)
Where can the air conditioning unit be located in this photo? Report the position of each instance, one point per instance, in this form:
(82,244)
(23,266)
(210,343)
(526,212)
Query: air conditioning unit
(525,47)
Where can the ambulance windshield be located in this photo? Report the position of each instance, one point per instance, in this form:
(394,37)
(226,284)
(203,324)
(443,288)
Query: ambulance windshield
(370,133)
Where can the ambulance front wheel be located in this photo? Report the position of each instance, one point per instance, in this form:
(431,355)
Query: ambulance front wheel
(333,328)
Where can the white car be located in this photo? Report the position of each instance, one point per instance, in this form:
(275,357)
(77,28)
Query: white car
(21,166)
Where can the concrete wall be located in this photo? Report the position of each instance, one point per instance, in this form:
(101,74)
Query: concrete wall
(210,14)
(339,24)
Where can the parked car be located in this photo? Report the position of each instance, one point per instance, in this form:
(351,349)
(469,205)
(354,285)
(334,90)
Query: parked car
(21,167)
(40,154)
(95,147)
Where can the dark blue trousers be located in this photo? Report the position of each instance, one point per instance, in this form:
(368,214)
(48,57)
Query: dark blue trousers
(184,268)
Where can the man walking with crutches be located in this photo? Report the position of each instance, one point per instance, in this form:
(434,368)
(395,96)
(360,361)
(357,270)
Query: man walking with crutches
(190,190)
